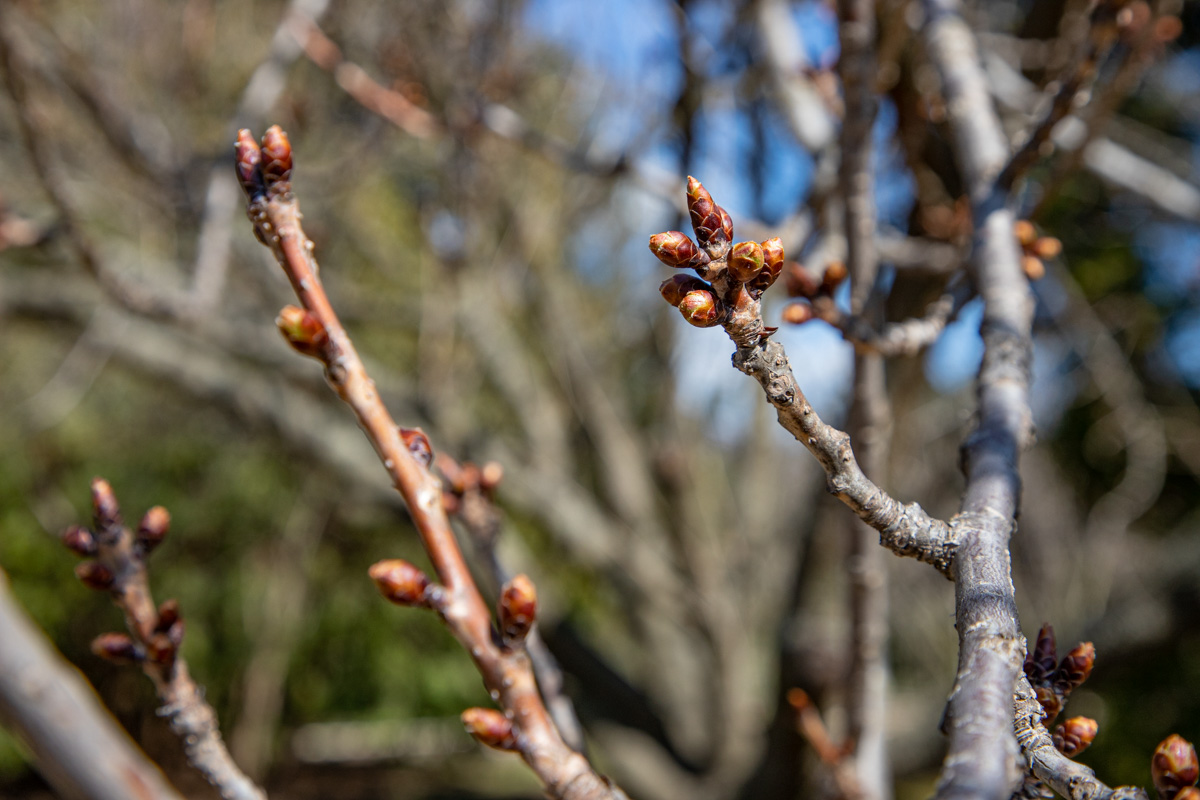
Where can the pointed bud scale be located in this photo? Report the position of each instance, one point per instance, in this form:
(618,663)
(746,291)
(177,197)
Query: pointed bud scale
(726,224)
(400,582)
(1174,766)
(418,444)
(1042,660)
(153,528)
(1075,668)
(117,648)
(490,727)
(303,331)
(276,161)
(677,250)
(675,288)
(248,163)
(518,608)
(80,541)
(1047,247)
(798,313)
(94,575)
(1075,735)
(701,308)
(745,261)
(1025,232)
(105,511)
(710,222)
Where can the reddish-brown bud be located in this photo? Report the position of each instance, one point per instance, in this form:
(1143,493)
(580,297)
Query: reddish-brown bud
(1174,766)
(1042,660)
(490,727)
(153,528)
(248,163)
(1046,247)
(713,227)
(117,648)
(772,267)
(401,582)
(160,649)
(94,575)
(1167,28)
(746,261)
(1075,668)
(835,273)
(797,282)
(106,513)
(490,475)
(798,313)
(418,444)
(79,540)
(675,288)
(676,249)
(303,331)
(168,615)
(518,608)
(1033,268)
(1075,735)
(1050,701)
(1025,232)
(701,308)
(276,161)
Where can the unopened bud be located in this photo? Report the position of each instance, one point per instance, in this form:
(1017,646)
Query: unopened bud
(1075,668)
(106,513)
(1075,735)
(248,163)
(153,528)
(798,313)
(676,249)
(418,444)
(772,266)
(797,282)
(168,615)
(714,229)
(518,608)
(701,308)
(276,161)
(1050,702)
(835,273)
(160,649)
(490,727)
(1174,766)
(1047,247)
(675,288)
(1167,28)
(746,261)
(117,648)
(490,475)
(79,540)
(1042,660)
(1025,232)
(400,582)
(303,331)
(1033,268)
(94,575)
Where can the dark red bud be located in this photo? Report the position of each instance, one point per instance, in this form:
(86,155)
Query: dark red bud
(798,313)
(726,224)
(79,540)
(303,331)
(709,221)
(1075,735)
(248,163)
(161,650)
(518,608)
(418,444)
(1174,766)
(835,273)
(400,582)
(94,575)
(701,308)
(106,513)
(677,250)
(1075,668)
(117,648)
(153,528)
(1042,661)
(276,161)
(675,288)
(168,615)
(490,727)
(746,261)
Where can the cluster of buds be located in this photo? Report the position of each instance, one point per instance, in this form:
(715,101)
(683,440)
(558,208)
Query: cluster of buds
(467,480)
(1175,769)
(108,535)
(815,299)
(1054,680)
(264,171)
(1127,20)
(1035,249)
(730,276)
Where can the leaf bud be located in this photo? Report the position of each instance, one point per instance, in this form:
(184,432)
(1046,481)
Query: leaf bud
(1025,232)
(160,649)
(675,288)
(106,513)
(302,330)
(701,308)
(746,261)
(418,444)
(80,541)
(714,229)
(276,161)
(1033,268)
(153,528)
(1042,660)
(490,727)
(798,313)
(1075,735)
(118,648)
(401,582)
(1174,766)
(248,163)
(1047,247)
(94,575)
(1075,668)
(676,249)
(518,608)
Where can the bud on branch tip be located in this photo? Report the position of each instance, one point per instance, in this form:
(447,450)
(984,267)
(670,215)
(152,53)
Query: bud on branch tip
(302,330)
(248,162)
(276,161)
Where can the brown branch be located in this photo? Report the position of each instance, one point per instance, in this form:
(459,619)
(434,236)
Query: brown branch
(77,745)
(526,726)
(118,565)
